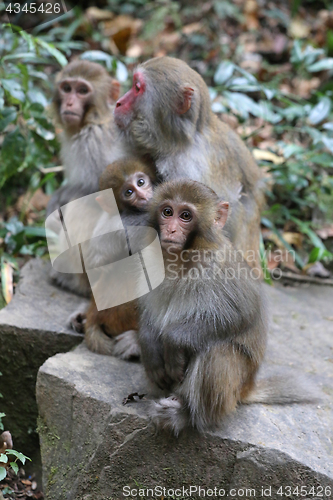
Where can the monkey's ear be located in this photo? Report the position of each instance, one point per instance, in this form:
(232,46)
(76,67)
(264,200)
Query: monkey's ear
(222,213)
(115,90)
(186,100)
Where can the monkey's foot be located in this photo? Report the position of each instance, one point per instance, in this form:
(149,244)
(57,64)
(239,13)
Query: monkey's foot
(169,414)
(127,346)
(77,319)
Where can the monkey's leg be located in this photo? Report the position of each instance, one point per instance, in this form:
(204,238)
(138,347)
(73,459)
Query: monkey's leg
(214,383)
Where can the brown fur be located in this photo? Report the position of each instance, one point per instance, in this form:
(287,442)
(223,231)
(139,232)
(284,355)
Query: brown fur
(101,326)
(172,121)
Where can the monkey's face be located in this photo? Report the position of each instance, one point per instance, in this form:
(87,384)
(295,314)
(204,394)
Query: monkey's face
(137,190)
(177,221)
(126,106)
(75,97)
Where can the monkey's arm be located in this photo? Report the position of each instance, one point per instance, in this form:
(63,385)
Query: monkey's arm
(152,357)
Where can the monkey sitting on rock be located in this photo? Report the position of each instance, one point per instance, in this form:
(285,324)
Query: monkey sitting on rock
(203,330)
(132,182)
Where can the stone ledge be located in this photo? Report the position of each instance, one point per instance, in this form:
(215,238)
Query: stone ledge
(32,328)
(93,446)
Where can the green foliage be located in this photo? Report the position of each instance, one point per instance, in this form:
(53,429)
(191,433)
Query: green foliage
(6,459)
(305,176)
(29,142)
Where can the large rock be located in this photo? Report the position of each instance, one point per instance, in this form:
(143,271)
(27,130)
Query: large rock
(93,447)
(32,328)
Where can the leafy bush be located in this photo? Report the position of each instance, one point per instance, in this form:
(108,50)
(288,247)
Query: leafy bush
(303,178)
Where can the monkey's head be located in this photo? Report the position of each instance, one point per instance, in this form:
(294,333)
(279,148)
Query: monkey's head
(167,103)
(132,182)
(84,90)
(188,215)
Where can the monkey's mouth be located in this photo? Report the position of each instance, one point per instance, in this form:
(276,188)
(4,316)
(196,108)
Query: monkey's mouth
(70,113)
(171,242)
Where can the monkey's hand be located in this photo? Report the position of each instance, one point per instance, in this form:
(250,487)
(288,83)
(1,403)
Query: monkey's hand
(176,361)
(127,346)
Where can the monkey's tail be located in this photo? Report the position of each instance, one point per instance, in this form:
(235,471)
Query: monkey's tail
(281,390)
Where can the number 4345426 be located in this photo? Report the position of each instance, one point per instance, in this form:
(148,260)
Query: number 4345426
(31,8)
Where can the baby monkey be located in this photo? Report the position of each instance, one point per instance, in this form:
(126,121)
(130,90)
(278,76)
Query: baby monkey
(132,182)
(203,330)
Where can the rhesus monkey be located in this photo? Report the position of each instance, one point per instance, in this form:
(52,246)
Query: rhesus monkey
(82,104)
(167,115)
(203,330)
(132,182)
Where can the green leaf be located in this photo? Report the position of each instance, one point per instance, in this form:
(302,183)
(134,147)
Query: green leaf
(3,473)
(9,116)
(271,226)
(50,48)
(14,466)
(98,55)
(35,231)
(23,56)
(224,71)
(35,95)
(14,89)
(121,72)
(321,65)
(320,111)
(18,455)
(263,260)
(304,228)
(3,458)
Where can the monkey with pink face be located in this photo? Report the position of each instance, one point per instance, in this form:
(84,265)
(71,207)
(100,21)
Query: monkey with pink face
(167,116)
(203,330)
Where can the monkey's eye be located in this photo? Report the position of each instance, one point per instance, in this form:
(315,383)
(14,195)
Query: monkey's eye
(141,182)
(83,90)
(66,88)
(137,86)
(128,193)
(186,216)
(167,212)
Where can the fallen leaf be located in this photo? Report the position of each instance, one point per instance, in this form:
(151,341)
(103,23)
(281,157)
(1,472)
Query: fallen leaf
(317,269)
(259,154)
(325,232)
(251,15)
(96,14)
(131,397)
(295,239)
(7,281)
(28,202)
(188,29)
(298,28)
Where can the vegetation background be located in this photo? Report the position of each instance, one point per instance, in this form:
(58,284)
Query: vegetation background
(268,65)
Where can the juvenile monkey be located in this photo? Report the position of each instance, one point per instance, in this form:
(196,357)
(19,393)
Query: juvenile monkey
(132,182)
(203,330)
(167,115)
(82,105)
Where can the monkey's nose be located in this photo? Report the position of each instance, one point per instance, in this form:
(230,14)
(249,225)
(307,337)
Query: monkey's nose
(118,104)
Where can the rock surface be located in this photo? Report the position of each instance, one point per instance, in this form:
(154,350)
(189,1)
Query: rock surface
(32,328)
(94,448)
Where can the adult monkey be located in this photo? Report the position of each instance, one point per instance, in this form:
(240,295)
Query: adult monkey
(167,115)
(82,104)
